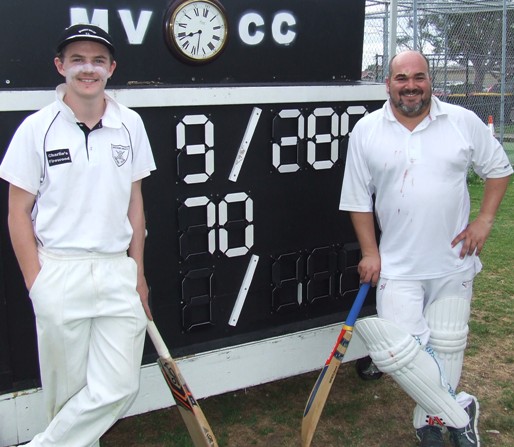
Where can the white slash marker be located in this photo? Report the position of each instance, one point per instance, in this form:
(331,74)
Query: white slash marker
(243,291)
(243,148)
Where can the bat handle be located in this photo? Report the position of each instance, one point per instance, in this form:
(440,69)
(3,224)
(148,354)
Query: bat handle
(357,304)
(157,340)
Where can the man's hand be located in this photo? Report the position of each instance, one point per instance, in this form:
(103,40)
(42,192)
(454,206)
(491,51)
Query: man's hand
(477,232)
(369,269)
(144,292)
(474,236)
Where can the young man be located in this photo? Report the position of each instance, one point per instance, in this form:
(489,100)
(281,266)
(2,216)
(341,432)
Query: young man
(75,211)
(408,164)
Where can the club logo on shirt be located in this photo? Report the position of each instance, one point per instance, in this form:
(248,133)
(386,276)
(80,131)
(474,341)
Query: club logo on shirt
(58,157)
(120,154)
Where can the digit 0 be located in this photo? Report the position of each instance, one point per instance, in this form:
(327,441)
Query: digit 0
(217,225)
(247,222)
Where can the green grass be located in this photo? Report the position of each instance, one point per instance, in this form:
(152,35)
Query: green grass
(367,414)
(493,304)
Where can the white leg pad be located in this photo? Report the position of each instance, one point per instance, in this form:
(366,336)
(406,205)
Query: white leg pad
(396,352)
(448,321)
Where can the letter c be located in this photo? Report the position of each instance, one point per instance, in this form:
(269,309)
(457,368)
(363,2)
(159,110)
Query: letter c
(255,37)
(280,28)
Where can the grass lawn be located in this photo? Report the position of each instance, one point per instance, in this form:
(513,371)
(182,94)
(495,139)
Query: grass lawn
(360,413)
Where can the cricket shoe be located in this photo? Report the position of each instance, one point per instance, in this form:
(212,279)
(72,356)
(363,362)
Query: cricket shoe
(468,435)
(367,370)
(430,436)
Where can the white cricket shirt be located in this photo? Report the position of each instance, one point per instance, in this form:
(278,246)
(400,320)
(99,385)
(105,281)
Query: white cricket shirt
(419,182)
(82,184)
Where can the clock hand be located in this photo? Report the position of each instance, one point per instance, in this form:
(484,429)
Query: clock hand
(198,43)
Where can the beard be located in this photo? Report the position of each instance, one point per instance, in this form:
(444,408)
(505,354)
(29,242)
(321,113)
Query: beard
(412,110)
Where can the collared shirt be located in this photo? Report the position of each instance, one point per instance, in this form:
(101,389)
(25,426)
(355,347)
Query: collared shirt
(418,179)
(82,180)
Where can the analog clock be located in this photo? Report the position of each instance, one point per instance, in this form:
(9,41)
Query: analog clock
(196,30)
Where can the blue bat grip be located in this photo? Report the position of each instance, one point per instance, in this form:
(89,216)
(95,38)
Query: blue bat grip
(357,304)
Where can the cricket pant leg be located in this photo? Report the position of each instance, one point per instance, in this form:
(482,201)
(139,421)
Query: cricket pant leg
(447,316)
(413,306)
(91,330)
(403,303)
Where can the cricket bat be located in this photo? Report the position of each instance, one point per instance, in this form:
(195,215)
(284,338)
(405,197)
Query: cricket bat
(326,378)
(191,413)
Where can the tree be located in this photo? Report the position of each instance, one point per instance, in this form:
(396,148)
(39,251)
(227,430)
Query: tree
(476,38)
(468,37)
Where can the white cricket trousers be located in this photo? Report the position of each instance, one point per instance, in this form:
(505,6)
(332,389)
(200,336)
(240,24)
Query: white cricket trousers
(404,302)
(91,331)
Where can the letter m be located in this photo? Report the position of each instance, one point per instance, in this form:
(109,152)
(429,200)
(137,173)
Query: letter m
(99,18)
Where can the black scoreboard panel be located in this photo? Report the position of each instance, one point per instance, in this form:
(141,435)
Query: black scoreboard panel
(207,228)
(268,41)
(277,225)
(245,240)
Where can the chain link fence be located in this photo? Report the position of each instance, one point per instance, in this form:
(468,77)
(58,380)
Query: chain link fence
(469,45)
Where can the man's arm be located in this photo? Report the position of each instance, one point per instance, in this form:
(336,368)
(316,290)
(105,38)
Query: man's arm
(477,232)
(369,266)
(136,249)
(21,231)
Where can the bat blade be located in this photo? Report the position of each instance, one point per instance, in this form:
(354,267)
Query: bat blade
(321,389)
(190,411)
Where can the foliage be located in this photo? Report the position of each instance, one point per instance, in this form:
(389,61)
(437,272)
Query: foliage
(467,37)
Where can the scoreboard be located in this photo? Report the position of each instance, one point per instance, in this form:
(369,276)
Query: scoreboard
(245,240)
(245,237)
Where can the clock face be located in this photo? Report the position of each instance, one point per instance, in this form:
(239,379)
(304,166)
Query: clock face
(196,30)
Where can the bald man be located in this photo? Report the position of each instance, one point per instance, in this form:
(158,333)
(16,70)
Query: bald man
(407,166)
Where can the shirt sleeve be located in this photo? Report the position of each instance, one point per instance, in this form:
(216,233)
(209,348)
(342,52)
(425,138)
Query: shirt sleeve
(143,158)
(357,189)
(23,165)
(489,159)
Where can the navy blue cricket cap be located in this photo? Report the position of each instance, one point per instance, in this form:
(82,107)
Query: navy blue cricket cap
(78,32)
